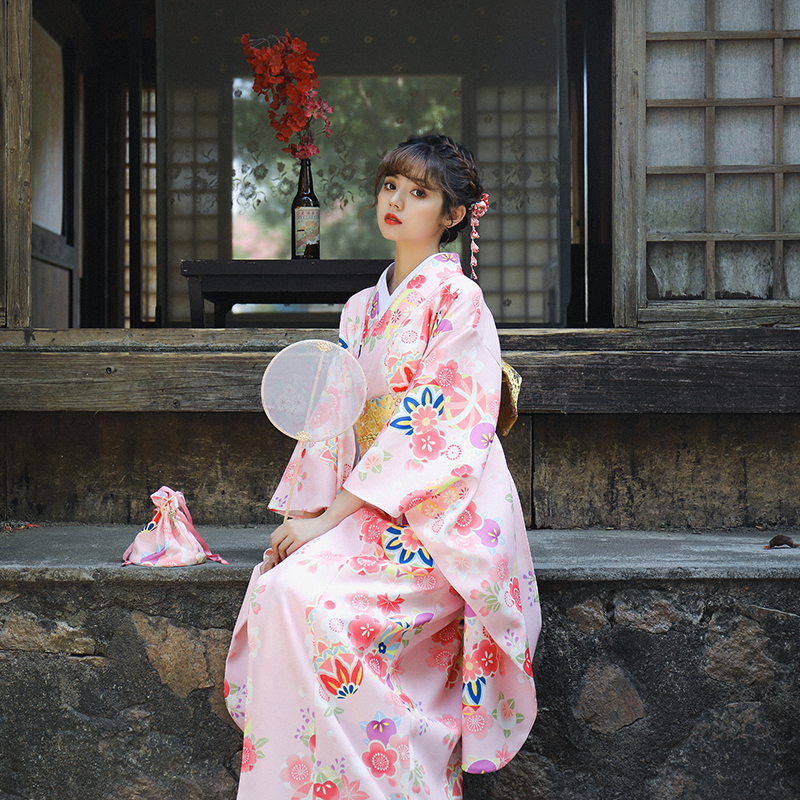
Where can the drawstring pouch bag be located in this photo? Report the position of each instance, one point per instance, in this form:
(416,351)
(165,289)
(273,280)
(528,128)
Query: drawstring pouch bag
(169,539)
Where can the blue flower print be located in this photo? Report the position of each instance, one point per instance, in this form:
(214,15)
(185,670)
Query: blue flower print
(410,404)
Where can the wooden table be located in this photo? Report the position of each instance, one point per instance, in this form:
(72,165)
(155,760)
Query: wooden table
(226,283)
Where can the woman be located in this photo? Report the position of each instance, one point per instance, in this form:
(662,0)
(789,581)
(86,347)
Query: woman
(384,645)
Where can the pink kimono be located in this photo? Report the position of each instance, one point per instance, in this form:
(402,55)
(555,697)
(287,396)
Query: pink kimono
(384,657)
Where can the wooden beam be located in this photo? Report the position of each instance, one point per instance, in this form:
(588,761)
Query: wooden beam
(587,371)
(15,163)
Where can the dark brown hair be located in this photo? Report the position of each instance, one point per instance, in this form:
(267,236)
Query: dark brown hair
(438,163)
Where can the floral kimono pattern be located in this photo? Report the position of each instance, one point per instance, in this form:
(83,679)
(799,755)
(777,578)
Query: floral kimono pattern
(394,652)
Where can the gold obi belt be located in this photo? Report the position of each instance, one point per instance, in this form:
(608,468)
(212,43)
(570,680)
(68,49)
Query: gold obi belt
(375,416)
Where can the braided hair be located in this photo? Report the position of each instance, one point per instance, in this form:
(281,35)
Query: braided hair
(438,163)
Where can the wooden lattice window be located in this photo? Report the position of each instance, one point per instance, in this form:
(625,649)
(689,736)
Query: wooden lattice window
(718,159)
(518,148)
(149,280)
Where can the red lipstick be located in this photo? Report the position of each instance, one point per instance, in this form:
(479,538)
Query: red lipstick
(391,219)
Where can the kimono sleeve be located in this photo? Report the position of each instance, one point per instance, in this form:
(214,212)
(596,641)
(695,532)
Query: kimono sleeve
(442,429)
(316,471)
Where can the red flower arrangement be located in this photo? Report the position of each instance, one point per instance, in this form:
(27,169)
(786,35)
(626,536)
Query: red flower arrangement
(284,75)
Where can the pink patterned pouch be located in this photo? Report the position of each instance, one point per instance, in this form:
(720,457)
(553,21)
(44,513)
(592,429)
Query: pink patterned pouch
(169,539)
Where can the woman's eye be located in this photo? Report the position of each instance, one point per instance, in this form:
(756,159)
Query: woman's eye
(418,193)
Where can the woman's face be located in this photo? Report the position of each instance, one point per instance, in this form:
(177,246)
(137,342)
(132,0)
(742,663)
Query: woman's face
(408,212)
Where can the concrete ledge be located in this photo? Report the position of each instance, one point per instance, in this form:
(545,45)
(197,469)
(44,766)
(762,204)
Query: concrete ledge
(87,553)
(667,668)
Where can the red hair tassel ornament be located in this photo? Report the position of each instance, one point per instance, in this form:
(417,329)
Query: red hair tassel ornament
(479,208)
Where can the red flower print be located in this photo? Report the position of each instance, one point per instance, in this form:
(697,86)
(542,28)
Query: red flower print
(297,771)
(440,658)
(376,664)
(476,722)
(426,582)
(388,606)
(365,565)
(400,743)
(471,667)
(372,528)
(488,656)
(360,601)
(379,760)
(424,418)
(448,377)
(414,499)
(447,634)
(468,520)
(248,754)
(450,723)
(500,571)
(416,281)
(226,689)
(363,630)
(515,594)
(350,790)
(528,665)
(448,295)
(339,679)
(429,444)
(326,791)
(463,471)
(503,756)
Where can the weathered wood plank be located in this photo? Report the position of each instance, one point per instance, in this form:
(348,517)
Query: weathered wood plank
(131,381)
(238,340)
(629,160)
(15,162)
(672,383)
(158,340)
(590,381)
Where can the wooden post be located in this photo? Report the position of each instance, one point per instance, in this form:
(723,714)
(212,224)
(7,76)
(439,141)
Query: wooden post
(629,285)
(15,163)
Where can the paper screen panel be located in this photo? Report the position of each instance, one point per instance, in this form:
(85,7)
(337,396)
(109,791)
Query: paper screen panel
(676,203)
(791,269)
(675,271)
(750,15)
(744,270)
(677,15)
(675,70)
(791,135)
(744,68)
(744,204)
(675,137)
(791,203)
(744,136)
(791,67)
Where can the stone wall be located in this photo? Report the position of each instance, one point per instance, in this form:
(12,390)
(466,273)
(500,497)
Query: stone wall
(649,689)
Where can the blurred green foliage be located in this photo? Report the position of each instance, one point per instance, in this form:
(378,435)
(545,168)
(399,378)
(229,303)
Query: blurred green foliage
(371,116)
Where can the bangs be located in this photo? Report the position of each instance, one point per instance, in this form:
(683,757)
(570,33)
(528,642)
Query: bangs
(411,163)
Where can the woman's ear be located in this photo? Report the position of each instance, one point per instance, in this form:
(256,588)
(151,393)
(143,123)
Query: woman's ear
(455,216)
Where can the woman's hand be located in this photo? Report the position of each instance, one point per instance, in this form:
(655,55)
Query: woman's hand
(294,533)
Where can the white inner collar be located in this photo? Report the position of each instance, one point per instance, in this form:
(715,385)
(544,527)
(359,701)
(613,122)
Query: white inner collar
(384,298)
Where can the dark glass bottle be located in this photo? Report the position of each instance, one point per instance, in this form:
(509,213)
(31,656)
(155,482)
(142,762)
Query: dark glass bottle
(305,215)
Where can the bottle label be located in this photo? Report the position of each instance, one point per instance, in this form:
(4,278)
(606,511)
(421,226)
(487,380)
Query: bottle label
(306,229)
